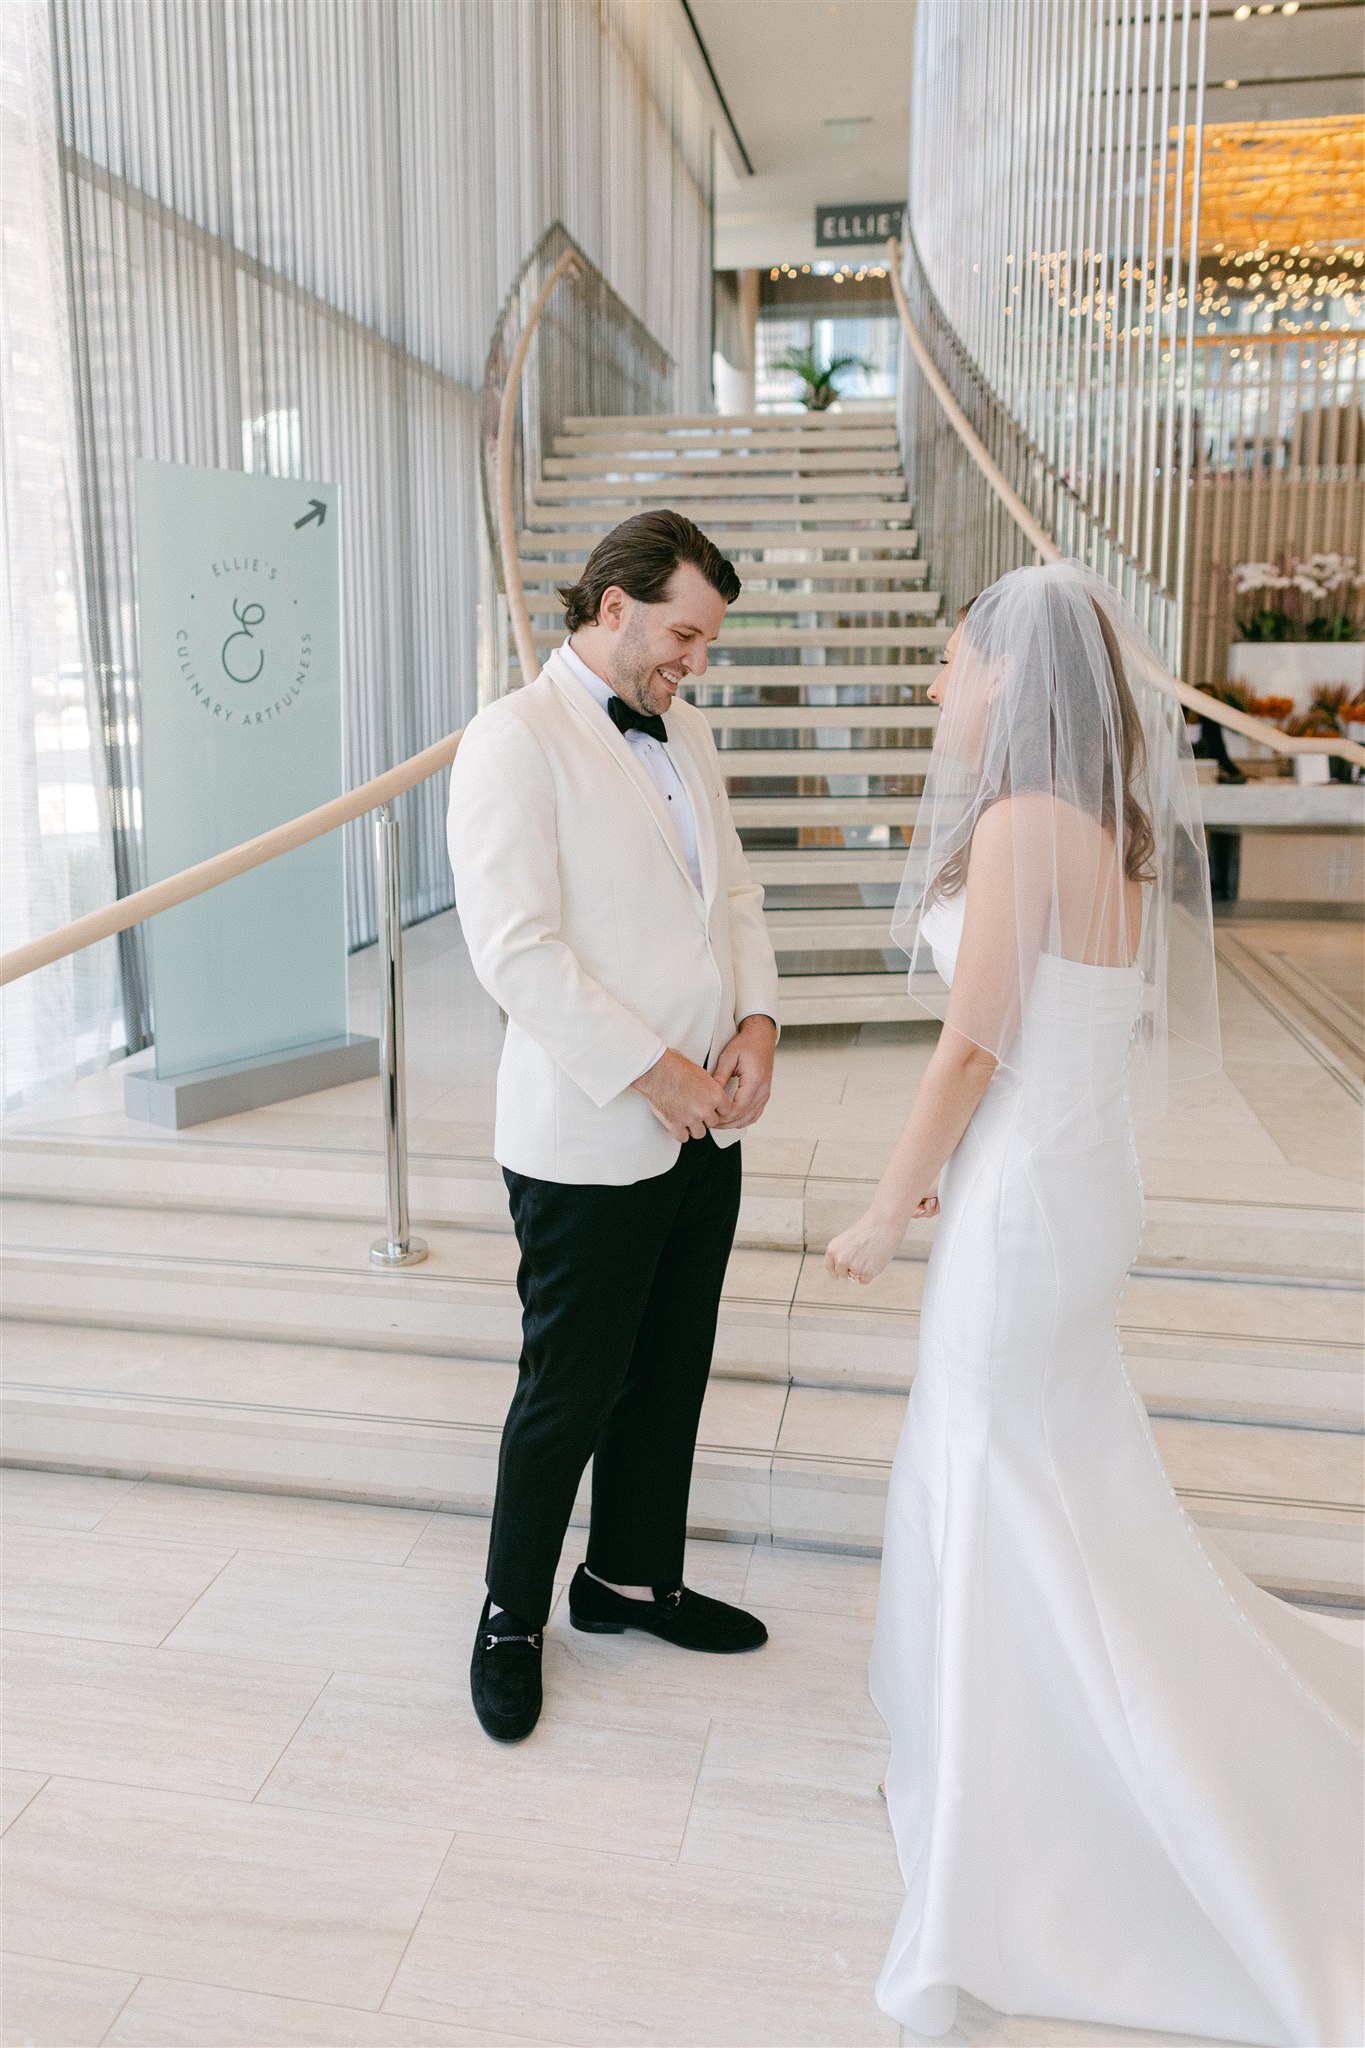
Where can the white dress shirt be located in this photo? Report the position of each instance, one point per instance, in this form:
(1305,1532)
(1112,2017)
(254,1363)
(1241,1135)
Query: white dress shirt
(654,759)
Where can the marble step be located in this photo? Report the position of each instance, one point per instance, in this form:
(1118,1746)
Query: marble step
(645,436)
(792,1464)
(777,603)
(853,928)
(862,548)
(645,459)
(729,718)
(794,1199)
(788,583)
(1223,1349)
(815,423)
(817,812)
(836,638)
(826,867)
(786,763)
(734,489)
(717,512)
(850,684)
(864,998)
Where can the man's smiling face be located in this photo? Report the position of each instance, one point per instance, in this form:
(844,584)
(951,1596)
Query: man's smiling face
(651,649)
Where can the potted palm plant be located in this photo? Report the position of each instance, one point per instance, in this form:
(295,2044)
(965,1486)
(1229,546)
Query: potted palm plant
(819,386)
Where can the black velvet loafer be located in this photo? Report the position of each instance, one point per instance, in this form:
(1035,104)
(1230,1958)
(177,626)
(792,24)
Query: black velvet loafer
(678,1615)
(504,1676)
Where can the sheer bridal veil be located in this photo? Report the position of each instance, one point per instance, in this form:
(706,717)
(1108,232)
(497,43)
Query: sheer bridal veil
(1061,804)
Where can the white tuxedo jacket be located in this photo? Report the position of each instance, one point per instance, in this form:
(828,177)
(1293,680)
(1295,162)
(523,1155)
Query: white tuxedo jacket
(584,924)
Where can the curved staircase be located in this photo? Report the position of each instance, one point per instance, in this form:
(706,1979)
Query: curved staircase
(816,685)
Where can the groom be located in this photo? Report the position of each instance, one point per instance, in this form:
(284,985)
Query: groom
(608,909)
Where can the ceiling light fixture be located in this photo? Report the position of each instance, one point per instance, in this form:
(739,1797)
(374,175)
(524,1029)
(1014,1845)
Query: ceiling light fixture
(1242,12)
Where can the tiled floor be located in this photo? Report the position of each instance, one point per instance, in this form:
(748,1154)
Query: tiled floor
(246,1801)
(247,1804)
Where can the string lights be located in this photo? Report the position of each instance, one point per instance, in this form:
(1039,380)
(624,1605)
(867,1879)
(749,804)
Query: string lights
(837,273)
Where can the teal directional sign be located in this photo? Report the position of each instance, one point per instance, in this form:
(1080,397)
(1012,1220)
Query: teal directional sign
(240,626)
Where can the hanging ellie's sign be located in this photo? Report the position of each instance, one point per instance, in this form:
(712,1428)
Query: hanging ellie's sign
(240,618)
(862,224)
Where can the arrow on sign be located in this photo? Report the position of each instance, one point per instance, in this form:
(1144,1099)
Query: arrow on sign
(316,510)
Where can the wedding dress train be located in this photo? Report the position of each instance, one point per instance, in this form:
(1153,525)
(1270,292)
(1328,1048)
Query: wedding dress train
(1125,1783)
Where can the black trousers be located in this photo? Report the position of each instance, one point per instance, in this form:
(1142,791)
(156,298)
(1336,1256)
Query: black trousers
(620,1289)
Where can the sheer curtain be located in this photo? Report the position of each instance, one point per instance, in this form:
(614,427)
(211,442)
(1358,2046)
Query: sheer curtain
(289,227)
(57,841)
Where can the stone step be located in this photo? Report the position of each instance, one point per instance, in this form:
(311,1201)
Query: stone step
(786,763)
(803,552)
(796,1464)
(791,682)
(809,813)
(731,422)
(851,929)
(846,999)
(836,638)
(728,490)
(718,513)
(777,603)
(454,1182)
(786,582)
(727,718)
(643,459)
(644,437)
(1227,1348)
(826,867)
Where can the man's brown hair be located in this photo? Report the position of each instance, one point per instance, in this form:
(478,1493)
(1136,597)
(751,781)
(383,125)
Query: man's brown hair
(640,556)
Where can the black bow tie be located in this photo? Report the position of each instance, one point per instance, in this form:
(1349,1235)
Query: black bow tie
(627,719)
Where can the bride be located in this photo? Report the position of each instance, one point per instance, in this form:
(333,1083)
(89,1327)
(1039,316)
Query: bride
(1125,1783)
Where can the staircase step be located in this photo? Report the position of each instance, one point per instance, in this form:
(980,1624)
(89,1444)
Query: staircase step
(1201,1345)
(789,762)
(717,514)
(776,603)
(825,867)
(822,717)
(804,552)
(819,811)
(454,1182)
(768,422)
(846,999)
(644,437)
(647,460)
(906,680)
(788,581)
(849,683)
(836,638)
(829,931)
(728,490)
(791,1464)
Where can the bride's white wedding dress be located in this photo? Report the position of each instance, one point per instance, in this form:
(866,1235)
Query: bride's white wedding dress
(1125,1782)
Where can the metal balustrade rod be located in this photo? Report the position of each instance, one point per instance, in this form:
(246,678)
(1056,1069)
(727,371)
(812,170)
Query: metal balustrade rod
(397,1247)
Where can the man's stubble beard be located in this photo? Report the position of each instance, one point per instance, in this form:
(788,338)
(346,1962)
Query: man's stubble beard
(632,673)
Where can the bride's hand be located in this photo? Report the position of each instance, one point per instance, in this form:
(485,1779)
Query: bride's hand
(864,1250)
(928,1206)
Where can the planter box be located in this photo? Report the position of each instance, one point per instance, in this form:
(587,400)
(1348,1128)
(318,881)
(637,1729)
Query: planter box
(1295,668)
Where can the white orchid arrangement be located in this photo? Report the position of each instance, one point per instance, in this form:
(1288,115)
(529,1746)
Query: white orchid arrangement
(1318,597)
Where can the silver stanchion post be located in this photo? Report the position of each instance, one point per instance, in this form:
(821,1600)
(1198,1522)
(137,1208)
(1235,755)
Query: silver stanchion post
(397,1247)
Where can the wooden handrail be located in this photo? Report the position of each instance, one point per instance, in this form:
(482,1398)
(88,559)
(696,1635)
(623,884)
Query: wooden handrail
(225,867)
(1201,701)
(517,608)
